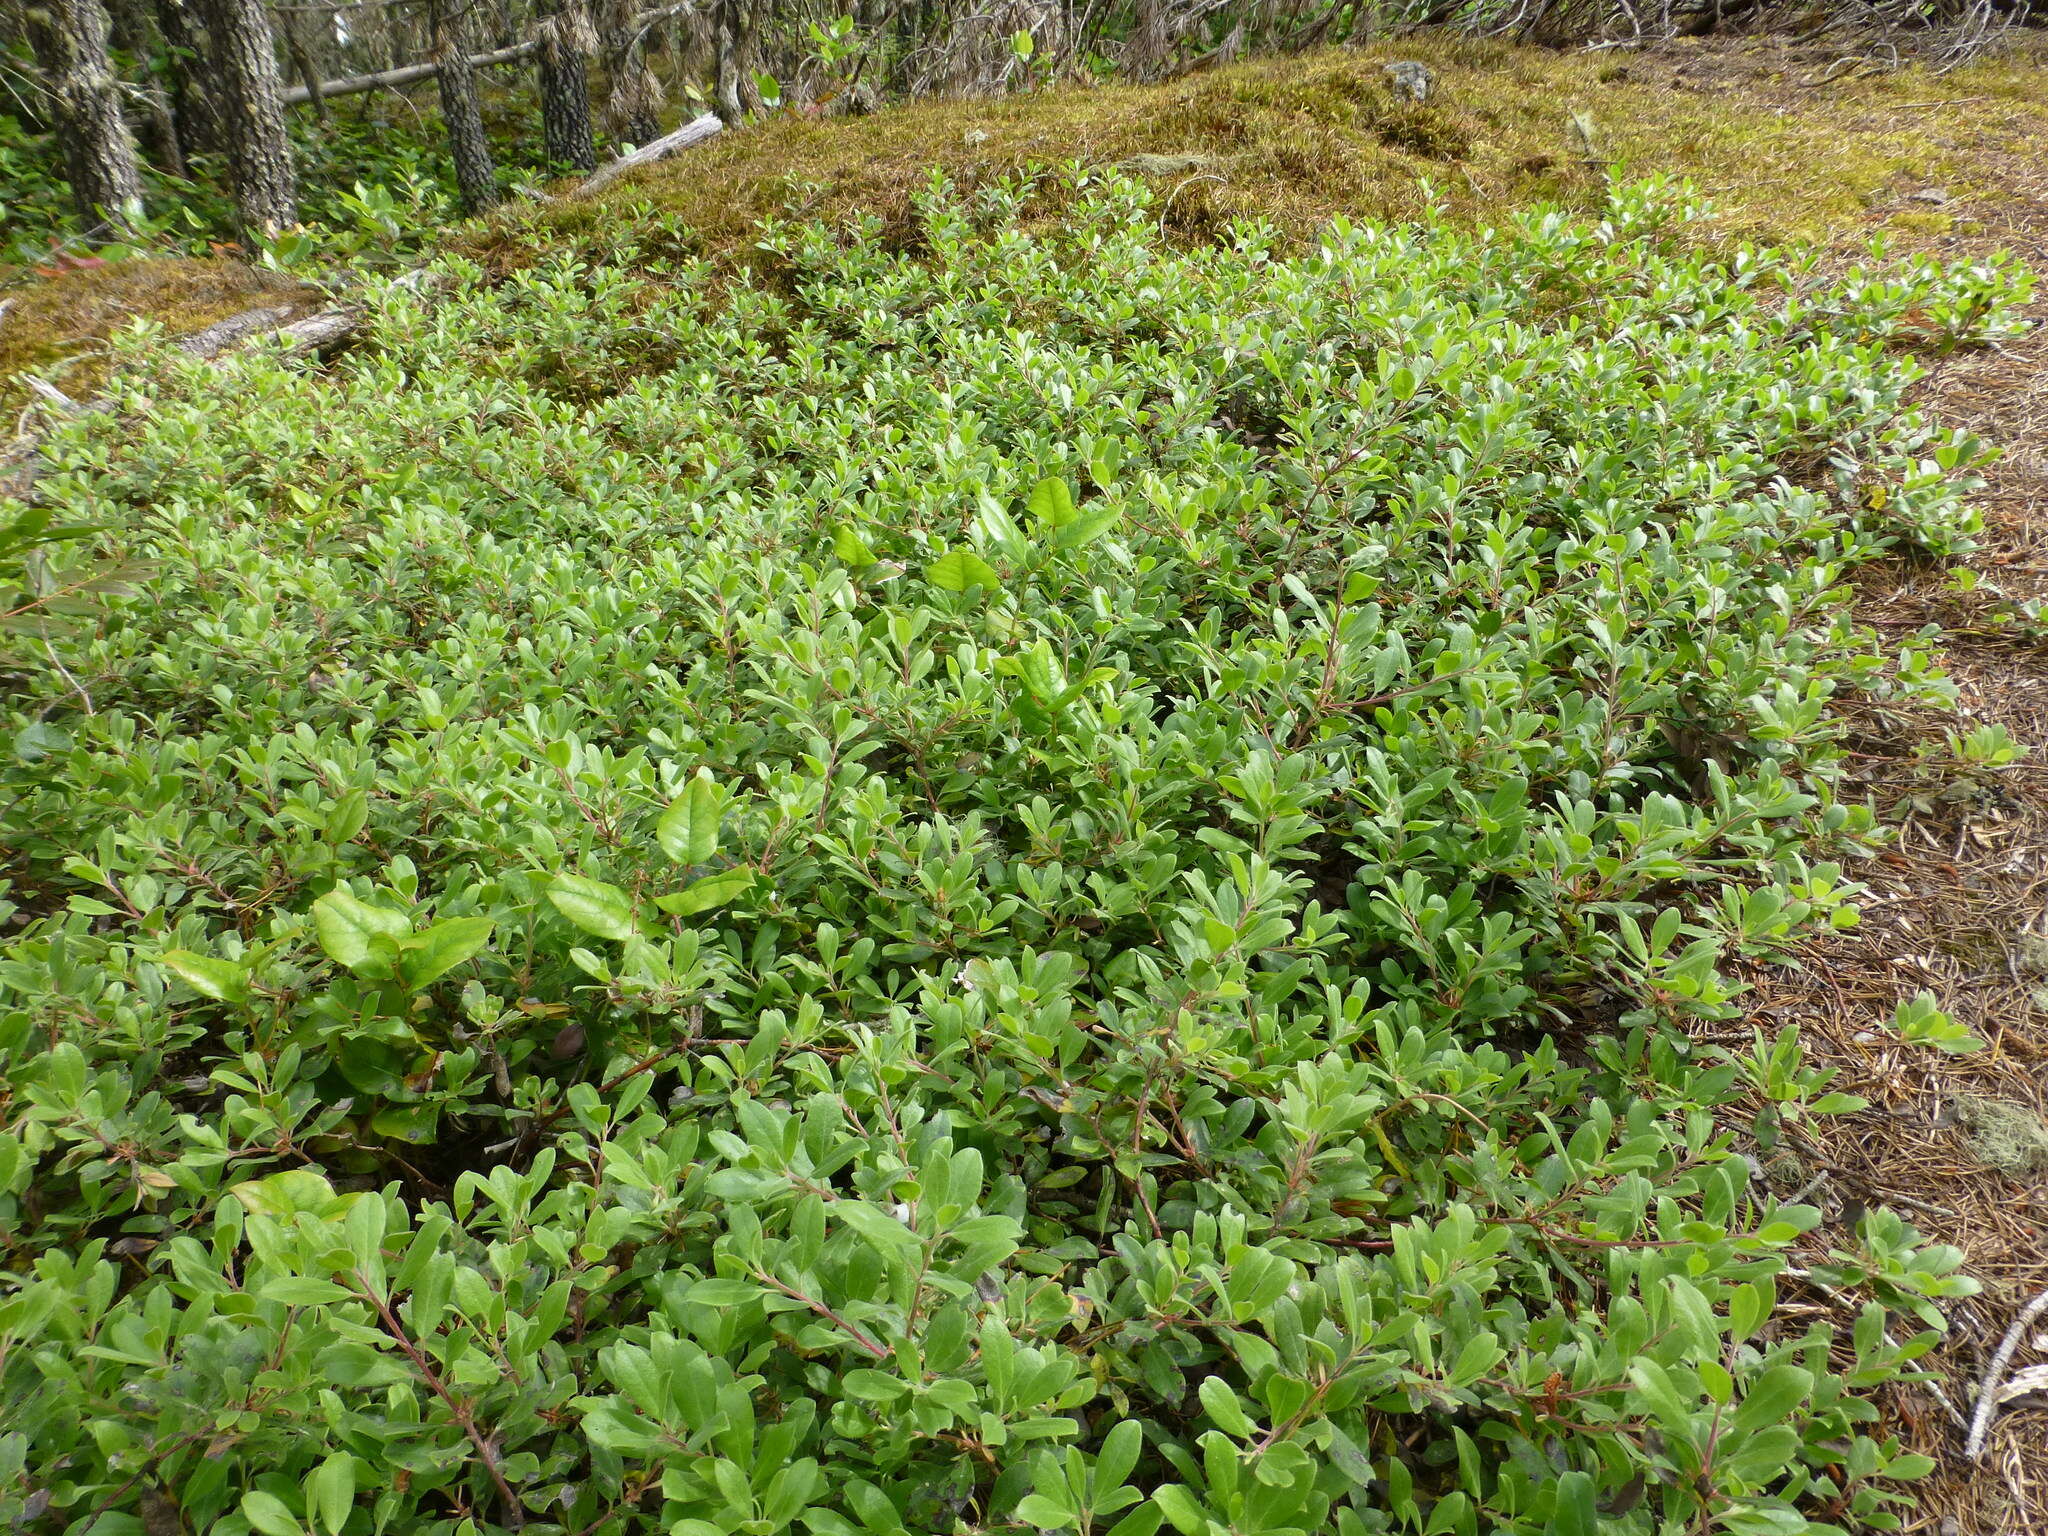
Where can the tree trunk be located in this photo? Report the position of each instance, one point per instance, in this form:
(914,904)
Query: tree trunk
(69,38)
(302,64)
(135,34)
(567,40)
(475,175)
(259,156)
(195,94)
(725,43)
(633,97)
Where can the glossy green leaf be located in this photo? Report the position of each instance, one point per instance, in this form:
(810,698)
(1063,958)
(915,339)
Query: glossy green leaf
(594,906)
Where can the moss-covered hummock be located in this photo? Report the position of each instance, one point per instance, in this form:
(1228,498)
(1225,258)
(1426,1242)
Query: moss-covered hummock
(1296,140)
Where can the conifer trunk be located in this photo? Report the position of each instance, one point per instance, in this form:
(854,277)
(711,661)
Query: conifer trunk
(69,39)
(567,40)
(134,33)
(259,155)
(725,44)
(475,173)
(633,101)
(195,94)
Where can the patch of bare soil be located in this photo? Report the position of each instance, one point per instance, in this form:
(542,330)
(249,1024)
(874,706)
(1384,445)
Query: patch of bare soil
(1957,905)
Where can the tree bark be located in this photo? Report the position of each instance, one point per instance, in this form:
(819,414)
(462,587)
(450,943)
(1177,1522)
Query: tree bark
(725,44)
(195,95)
(69,39)
(259,156)
(633,96)
(135,34)
(302,63)
(567,40)
(475,174)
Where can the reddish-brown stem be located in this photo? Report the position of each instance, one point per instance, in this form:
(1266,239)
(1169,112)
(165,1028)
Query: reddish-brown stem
(514,1515)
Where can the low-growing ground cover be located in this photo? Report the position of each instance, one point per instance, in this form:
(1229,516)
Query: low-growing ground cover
(1045,885)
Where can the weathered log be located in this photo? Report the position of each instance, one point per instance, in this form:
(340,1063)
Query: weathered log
(696,131)
(221,335)
(408,74)
(355,85)
(323,332)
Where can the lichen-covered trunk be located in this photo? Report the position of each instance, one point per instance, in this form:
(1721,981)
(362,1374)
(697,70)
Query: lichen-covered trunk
(156,129)
(726,28)
(633,98)
(567,40)
(69,39)
(476,176)
(252,109)
(195,93)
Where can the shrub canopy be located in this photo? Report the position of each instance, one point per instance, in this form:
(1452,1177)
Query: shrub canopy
(1046,885)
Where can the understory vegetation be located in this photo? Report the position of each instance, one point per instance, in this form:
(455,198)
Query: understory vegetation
(1042,882)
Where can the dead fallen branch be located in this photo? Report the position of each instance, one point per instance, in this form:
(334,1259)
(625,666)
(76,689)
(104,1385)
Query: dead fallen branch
(1989,1395)
(217,338)
(410,74)
(696,131)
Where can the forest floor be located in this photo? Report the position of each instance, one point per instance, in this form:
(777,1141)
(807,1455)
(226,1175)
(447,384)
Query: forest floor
(1791,142)
(1958,905)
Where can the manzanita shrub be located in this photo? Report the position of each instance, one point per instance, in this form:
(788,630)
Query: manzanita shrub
(1046,884)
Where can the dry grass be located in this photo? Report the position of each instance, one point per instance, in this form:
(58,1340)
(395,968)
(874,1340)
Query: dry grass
(59,325)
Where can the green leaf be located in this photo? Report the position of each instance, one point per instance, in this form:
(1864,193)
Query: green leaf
(331,1491)
(1478,1356)
(1220,1401)
(720,1292)
(1119,1454)
(1085,529)
(960,569)
(346,817)
(302,1291)
(851,548)
(358,1365)
(1182,1509)
(222,980)
(441,947)
(348,928)
(1772,1396)
(688,830)
(707,893)
(594,906)
(1052,503)
(874,1386)
(1655,1385)
(286,1194)
(1575,1515)
(1142,1521)
(270,1514)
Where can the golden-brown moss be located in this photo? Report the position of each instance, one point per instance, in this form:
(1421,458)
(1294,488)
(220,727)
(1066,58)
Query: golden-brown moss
(1296,140)
(65,319)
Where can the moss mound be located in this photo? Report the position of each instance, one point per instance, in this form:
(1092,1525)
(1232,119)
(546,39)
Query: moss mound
(1298,140)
